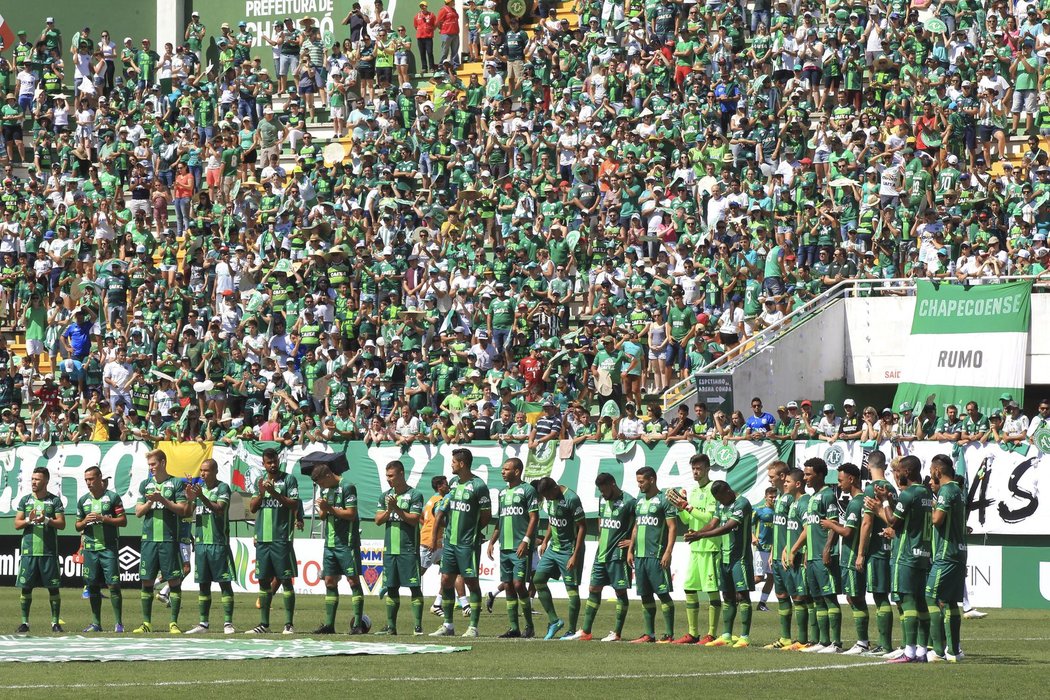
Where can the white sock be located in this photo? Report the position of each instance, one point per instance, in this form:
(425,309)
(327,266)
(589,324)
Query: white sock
(437,601)
(464,601)
(165,590)
(920,651)
(909,651)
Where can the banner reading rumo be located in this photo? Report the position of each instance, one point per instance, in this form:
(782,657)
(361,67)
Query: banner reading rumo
(968,343)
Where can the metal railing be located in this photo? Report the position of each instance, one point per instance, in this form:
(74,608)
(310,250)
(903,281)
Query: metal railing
(751,346)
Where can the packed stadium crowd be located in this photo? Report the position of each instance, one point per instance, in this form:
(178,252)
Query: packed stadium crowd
(607,207)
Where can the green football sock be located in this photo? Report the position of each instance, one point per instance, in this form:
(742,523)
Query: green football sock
(448,602)
(475,609)
(175,598)
(289,606)
(95,601)
(922,635)
(802,622)
(594,601)
(417,607)
(227,602)
(331,605)
(954,615)
(909,620)
(728,618)
(936,627)
(814,628)
(692,612)
(544,595)
(526,610)
(393,604)
(265,601)
(116,599)
(745,618)
(622,605)
(146,598)
(823,631)
(649,615)
(860,620)
(667,608)
(714,612)
(55,599)
(25,600)
(884,620)
(357,603)
(834,620)
(784,609)
(512,614)
(204,606)
(574,608)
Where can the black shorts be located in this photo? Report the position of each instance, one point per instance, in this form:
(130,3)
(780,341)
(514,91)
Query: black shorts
(384,74)
(12,132)
(832,81)
(251,156)
(728,338)
(366,72)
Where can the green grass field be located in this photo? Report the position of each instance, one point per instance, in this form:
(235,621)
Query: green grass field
(1006,653)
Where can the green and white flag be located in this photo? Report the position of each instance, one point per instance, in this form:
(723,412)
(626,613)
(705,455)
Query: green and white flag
(968,343)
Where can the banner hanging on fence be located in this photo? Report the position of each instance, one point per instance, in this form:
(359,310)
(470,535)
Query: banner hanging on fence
(967,344)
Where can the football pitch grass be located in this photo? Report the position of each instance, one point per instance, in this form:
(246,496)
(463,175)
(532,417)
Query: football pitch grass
(1007,653)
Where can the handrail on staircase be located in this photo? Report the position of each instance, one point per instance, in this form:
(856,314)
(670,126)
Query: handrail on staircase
(685,388)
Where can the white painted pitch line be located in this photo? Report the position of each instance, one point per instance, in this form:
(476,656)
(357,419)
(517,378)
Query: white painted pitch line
(431,679)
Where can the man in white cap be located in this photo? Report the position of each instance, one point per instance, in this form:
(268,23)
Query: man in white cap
(195,34)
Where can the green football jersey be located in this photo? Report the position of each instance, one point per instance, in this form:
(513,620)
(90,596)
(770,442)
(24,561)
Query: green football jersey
(274,522)
(615,522)
(736,544)
(851,518)
(822,504)
(160,524)
(465,503)
(563,514)
(515,506)
(340,532)
(949,538)
(914,509)
(210,527)
(99,537)
(781,506)
(796,515)
(401,537)
(878,546)
(40,540)
(650,516)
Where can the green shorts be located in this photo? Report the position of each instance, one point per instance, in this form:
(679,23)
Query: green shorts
(612,573)
(38,571)
(100,568)
(820,581)
(945,582)
(400,571)
(275,560)
(213,563)
(703,572)
(341,561)
(795,580)
(160,558)
(737,576)
(650,578)
(878,574)
(854,583)
(460,560)
(555,565)
(780,581)
(909,580)
(514,568)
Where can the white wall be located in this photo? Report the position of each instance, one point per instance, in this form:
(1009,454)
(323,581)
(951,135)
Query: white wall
(171,23)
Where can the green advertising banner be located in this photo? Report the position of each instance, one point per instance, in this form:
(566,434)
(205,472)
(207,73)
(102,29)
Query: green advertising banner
(968,343)
(1028,584)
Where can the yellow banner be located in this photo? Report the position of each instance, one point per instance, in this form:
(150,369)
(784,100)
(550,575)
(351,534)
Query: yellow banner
(184,458)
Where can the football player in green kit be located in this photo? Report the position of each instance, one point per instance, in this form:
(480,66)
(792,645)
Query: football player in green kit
(854,583)
(910,527)
(465,513)
(100,515)
(873,553)
(705,555)
(275,504)
(652,541)
(337,506)
(791,559)
(615,524)
(732,523)
(210,501)
(561,553)
(400,509)
(39,515)
(519,515)
(944,586)
(777,473)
